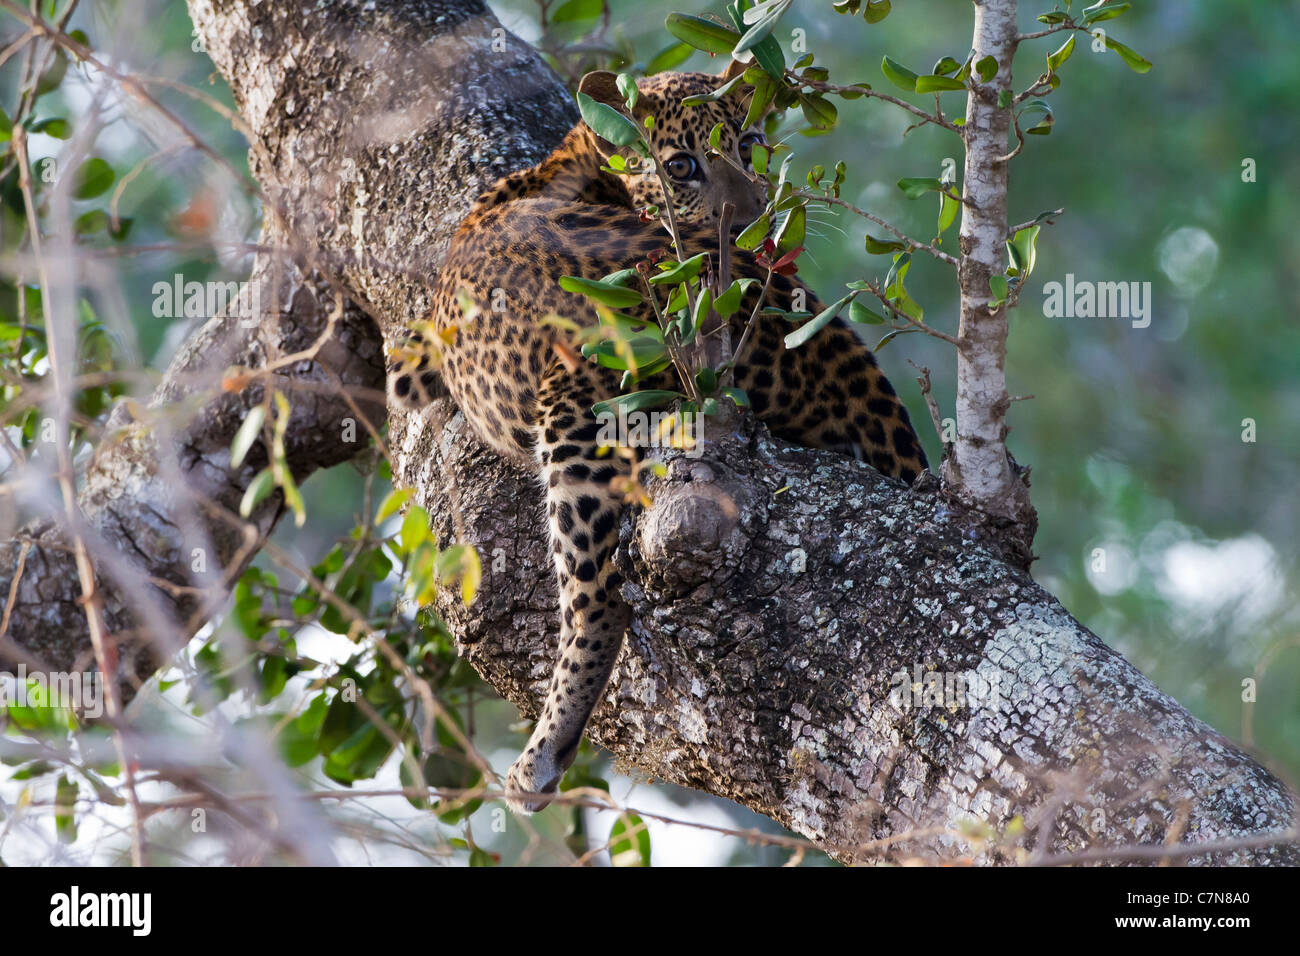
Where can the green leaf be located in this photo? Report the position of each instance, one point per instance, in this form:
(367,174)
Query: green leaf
(676,300)
(987,68)
(92,178)
(257,490)
(37,768)
(707,35)
(754,233)
(998,286)
(876,10)
(737,395)
(65,802)
(1137,63)
(680,271)
(771,58)
(767,53)
(620,277)
(878,247)
(853,92)
(299,738)
(1004,99)
(669,57)
(948,208)
(686,326)
(606,293)
(55,126)
(762,19)
(52,77)
(90,222)
(636,401)
(6,127)
(860,314)
(818,322)
(247,435)
(293,498)
(792,231)
(899,75)
(415,529)
(727,303)
(627,86)
(1023,248)
(608,123)
(818,111)
(937,84)
(574,11)
(703,302)
(1102,11)
(629,841)
(764,93)
(392,504)
(461,562)
(1054,60)
(945,66)
(701,98)
(916,187)
(897,293)
(890,336)
(1037,108)
(898,271)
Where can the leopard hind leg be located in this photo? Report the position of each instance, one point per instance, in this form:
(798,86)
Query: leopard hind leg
(583,507)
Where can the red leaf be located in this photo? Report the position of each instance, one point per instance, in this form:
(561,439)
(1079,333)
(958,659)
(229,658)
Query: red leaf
(786,260)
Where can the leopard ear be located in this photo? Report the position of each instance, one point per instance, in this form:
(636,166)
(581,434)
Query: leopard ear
(733,70)
(602,86)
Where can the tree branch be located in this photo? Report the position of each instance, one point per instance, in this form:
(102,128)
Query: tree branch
(979,471)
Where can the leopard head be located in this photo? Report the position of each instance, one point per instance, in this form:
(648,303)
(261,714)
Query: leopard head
(679,138)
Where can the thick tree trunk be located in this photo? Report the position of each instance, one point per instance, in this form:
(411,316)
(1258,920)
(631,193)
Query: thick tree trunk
(777,591)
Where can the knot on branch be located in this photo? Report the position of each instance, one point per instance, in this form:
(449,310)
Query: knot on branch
(705,510)
(695,527)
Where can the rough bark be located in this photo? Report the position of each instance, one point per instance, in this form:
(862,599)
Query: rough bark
(776,590)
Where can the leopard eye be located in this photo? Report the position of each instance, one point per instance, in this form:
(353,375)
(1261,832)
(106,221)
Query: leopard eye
(682,167)
(746,146)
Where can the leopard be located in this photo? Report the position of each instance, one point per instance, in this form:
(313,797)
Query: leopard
(489,341)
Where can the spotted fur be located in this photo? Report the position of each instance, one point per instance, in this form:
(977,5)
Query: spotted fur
(530,398)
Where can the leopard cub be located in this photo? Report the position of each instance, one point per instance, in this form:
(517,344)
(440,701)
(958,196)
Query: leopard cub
(524,393)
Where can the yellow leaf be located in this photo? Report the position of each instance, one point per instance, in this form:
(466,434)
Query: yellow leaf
(471,576)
